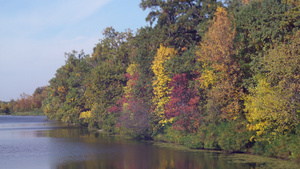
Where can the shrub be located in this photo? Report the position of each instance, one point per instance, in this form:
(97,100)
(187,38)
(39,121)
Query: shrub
(233,136)
(134,119)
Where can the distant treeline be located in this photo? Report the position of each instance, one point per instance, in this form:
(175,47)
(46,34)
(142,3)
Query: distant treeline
(204,74)
(26,103)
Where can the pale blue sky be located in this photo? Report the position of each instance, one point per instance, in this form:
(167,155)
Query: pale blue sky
(35,34)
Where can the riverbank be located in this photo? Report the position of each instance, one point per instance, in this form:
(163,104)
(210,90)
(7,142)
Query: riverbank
(243,158)
(234,157)
(36,143)
(237,158)
(29,113)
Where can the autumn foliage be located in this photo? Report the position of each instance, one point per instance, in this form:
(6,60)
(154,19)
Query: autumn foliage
(182,109)
(27,103)
(221,72)
(205,74)
(161,81)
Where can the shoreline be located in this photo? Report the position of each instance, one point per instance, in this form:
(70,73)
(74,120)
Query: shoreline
(237,157)
(29,113)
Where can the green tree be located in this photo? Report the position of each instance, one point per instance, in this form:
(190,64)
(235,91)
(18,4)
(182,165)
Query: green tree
(181,21)
(107,79)
(259,26)
(273,105)
(66,89)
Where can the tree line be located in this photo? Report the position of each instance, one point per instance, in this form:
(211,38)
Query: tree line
(26,102)
(205,73)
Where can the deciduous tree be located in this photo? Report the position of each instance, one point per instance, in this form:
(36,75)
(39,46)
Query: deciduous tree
(182,109)
(273,106)
(161,81)
(220,72)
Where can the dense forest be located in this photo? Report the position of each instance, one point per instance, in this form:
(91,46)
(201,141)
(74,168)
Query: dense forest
(206,74)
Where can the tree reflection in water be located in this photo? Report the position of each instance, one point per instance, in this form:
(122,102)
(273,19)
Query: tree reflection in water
(113,152)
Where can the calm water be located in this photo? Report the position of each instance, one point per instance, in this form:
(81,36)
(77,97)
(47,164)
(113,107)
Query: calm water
(33,142)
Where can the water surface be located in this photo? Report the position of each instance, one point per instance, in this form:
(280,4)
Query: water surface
(33,142)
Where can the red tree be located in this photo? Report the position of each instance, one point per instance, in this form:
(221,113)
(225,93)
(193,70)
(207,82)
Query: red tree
(183,105)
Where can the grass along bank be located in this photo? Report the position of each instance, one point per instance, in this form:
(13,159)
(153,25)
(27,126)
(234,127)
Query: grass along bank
(29,113)
(259,161)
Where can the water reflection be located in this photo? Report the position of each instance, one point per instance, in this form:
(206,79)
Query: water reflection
(42,144)
(102,151)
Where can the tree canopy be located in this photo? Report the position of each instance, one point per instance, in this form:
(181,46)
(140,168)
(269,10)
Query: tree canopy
(206,74)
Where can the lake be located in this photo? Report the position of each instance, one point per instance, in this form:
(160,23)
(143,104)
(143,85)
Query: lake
(33,142)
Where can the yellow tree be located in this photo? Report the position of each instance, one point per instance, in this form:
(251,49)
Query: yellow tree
(5,108)
(267,110)
(161,81)
(273,106)
(220,72)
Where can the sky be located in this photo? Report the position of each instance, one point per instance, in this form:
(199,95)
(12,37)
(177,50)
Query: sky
(35,34)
